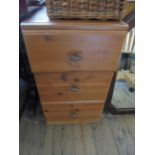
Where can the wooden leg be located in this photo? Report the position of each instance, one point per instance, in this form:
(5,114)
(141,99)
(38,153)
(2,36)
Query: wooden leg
(110,107)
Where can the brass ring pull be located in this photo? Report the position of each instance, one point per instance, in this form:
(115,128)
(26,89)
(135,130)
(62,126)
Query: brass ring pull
(74,89)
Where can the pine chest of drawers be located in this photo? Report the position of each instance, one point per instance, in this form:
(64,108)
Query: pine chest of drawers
(73,64)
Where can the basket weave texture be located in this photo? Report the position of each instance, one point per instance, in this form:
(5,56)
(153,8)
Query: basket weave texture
(86,9)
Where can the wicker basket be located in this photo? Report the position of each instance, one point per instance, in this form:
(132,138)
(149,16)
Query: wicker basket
(86,9)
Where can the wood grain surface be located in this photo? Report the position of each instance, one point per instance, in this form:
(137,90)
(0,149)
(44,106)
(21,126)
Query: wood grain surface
(73,93)
(73,62)
(74,50)
(73,78)
(65,106)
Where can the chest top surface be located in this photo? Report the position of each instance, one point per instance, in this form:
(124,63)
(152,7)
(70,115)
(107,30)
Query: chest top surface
(41,21)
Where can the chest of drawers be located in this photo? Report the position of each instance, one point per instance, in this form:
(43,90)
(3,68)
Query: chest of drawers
(73,64)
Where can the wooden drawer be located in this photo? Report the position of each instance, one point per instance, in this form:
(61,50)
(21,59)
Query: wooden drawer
(73,50)
(73,92)
(83,117)
(73,64)
(73,78)
(49,107)
(80,112)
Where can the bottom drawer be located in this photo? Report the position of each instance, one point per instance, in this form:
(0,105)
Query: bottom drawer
(68,120)
(72,112)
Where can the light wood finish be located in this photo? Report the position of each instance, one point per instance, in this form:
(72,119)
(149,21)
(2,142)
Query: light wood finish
(73,78)
(73,93)
(65,106)
(73,62)
(72,112)
(55,50)
(73,86)
(67,118)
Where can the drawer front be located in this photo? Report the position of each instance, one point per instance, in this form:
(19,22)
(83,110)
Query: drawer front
(66,118)
(83,112)
(50,107)
(73,50)
(73,114)
(73,78)
(73,92)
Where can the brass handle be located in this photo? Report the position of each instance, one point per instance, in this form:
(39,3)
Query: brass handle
(75,57)
(74,89)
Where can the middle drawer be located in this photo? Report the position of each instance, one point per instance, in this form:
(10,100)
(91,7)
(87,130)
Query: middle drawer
(73,86)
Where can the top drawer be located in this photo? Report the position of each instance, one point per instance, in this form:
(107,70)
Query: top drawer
(73,50)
